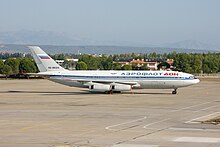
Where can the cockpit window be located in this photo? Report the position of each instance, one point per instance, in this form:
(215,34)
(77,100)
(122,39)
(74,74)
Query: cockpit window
(192,77)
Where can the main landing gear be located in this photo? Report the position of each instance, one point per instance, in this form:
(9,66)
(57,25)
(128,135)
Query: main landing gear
(111,92)
(174,91)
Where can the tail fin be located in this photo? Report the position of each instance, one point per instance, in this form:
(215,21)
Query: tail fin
(44,62)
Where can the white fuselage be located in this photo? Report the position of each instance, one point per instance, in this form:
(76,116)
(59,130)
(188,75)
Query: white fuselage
(110,81)
(137,79)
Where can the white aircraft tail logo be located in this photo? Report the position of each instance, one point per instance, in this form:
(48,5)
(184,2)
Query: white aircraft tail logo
(44,62)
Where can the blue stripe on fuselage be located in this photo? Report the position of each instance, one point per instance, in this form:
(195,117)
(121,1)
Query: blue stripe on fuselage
(121,77)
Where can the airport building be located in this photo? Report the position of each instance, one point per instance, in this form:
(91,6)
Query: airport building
(151,64)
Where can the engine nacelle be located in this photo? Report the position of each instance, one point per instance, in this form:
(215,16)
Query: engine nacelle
(99,87)
(121,87)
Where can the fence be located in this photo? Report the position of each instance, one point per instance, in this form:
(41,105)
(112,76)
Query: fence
(208,75)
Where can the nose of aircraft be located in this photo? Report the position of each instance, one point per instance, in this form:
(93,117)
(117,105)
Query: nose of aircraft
(195,81)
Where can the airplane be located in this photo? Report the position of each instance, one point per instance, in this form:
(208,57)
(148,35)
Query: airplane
(110,81)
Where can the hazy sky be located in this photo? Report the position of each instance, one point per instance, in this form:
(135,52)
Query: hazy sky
(147,21)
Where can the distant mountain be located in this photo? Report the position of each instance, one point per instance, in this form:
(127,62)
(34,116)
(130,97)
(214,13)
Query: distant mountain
(54,49)
(191,44)
(39,37)
(52,38)
(25,37)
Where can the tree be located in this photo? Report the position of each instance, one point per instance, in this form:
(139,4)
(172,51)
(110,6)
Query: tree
(116,66)
(105,63)
(6,70)
(69,64)
(210,63)
(206,68)
(197,64)
(27,66)
(81,66)
(182,62)
(1,66)
(14,64)
(163,65)
(91,61)
(153,55)
(144,67)
(127,67)
(135,66)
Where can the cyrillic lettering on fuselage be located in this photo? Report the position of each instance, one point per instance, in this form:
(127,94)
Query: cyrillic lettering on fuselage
(149,74)
(142,74)
(171,74)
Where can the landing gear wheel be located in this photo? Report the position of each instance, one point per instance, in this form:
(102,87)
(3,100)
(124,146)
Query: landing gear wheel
(117,91)
(174,91)
(109,92)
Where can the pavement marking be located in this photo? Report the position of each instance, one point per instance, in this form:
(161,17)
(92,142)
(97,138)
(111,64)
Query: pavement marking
(193,120)
(156,122)
(112,126)
(10,142)
(63,145)
(197,139)
(40,125)
(206,108)
(133,145)
(82,134)
(193,129)
(191,106)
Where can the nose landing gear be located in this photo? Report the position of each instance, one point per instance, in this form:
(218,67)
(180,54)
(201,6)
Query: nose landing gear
(174,91)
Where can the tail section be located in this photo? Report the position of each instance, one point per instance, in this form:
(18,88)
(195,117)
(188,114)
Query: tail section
(44,62)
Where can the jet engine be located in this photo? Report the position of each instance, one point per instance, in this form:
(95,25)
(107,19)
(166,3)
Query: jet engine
(99,87)
(121,87)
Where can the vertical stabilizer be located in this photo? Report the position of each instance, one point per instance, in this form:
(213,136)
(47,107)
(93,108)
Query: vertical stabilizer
(44,62)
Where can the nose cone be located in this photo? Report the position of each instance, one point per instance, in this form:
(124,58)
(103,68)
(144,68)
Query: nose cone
(195,81)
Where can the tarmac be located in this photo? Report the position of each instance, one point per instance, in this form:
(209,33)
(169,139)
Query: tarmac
(40,113)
